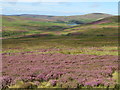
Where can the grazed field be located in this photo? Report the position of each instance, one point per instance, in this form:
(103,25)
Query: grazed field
(82,56)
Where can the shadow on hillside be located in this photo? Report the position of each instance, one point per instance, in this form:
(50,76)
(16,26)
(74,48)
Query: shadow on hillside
(61,41)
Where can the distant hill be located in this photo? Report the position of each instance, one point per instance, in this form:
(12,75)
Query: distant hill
(104,27)
(17,25)
(112,19)
(19,17)
(81,18)
(84,18)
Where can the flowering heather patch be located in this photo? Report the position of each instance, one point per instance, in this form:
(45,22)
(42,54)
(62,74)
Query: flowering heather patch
(64,70)
(5,81)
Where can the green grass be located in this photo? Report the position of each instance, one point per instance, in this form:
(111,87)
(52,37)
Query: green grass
(116,76)
(80,45)
(103,38)
(16,27)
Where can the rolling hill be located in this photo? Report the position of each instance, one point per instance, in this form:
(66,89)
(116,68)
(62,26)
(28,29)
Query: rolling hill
(17,26)
(22,25)
(81,18)
(104,27)
(112,19)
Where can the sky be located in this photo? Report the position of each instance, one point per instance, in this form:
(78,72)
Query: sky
(59,8)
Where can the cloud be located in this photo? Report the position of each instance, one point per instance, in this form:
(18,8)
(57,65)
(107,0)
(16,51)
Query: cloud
(95,5)
(59,0)
(36,0)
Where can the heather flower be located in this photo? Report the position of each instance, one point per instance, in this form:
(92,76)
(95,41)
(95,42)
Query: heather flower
(5,81)
(53,82)
(83,69)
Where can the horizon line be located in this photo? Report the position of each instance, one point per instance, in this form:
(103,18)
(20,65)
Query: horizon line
(56,15)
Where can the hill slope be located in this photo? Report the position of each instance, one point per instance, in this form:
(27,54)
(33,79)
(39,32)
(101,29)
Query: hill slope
(113,19)
(104,27)
(84,18)
(17,26)
(81,18)
(22,26)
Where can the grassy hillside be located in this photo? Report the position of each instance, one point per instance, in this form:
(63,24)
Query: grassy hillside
(101,27)
(75,36)
(85,18)
(20,26)
(108,20)
(81,18)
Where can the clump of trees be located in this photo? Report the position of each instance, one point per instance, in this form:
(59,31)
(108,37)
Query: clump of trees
(76,21)
(70,21)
